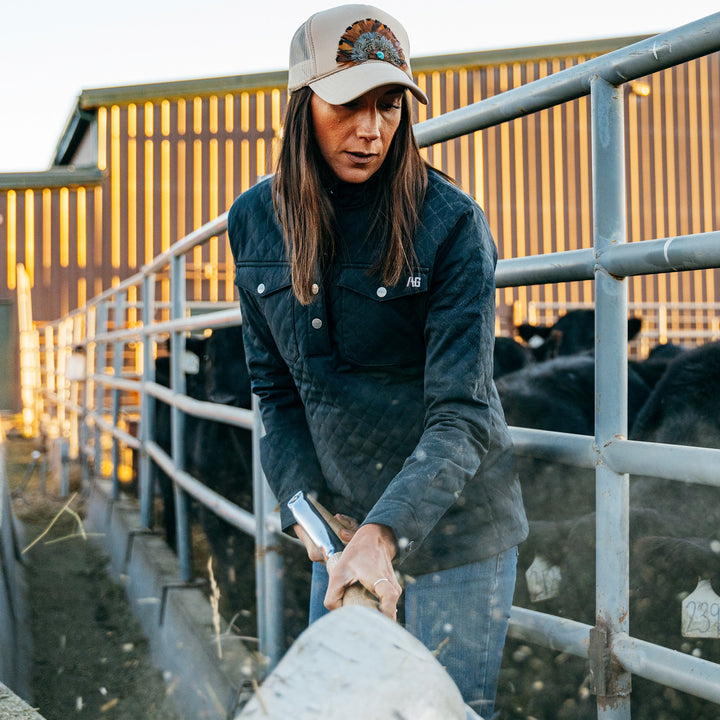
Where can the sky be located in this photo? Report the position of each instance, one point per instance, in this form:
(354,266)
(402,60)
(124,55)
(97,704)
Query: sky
(51,51)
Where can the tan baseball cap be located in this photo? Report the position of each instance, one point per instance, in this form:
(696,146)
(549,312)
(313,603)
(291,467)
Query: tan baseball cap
(343,52)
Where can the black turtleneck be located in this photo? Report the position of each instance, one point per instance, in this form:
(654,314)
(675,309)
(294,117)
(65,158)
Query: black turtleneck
(354,205)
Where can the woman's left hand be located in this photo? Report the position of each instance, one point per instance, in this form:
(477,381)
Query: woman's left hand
(349,527)
(367,559)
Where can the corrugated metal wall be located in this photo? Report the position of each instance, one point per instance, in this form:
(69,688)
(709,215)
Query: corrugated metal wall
(174,163)
(57,234)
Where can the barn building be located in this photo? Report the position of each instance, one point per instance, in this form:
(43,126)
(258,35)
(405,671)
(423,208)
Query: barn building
(139,167)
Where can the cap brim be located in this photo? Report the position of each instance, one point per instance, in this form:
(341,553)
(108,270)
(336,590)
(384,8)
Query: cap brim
(345,85)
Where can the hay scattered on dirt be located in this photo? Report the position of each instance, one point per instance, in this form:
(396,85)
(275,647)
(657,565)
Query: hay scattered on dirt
(91,658)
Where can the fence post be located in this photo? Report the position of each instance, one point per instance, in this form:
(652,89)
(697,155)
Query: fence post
(147,404)
(268,560)
(98,370)
(62,391)
(77,384)
(118,362)
(177,423)
(612,682)
(84,433)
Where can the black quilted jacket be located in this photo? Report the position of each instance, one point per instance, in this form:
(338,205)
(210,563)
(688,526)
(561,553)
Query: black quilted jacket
(381,399)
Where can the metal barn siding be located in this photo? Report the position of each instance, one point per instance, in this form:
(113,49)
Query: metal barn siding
(50,231)
(176,164)
(172,156)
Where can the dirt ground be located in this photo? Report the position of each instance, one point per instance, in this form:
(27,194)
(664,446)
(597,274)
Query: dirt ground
(90,657)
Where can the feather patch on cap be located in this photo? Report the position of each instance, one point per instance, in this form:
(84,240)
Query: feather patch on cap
(370,40)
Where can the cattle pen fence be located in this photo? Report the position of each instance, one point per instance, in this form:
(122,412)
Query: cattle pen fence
(89,392)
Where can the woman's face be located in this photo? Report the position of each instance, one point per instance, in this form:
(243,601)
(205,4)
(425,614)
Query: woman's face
(355,138)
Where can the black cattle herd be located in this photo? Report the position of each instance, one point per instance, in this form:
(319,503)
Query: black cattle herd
(545,381)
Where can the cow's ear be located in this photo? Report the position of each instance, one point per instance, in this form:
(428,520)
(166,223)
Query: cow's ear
(634,327)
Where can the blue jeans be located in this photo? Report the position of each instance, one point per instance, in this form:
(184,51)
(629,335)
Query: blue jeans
(465,610)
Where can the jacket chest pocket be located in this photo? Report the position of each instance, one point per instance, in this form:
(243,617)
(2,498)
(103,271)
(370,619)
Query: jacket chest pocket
(271,288)
(382,325)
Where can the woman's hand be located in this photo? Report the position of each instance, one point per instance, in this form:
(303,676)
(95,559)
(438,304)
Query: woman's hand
(313,552)
(348,525)
(367,559)
(346,528)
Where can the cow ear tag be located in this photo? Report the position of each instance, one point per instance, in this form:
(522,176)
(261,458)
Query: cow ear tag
(543,580)
(701,612)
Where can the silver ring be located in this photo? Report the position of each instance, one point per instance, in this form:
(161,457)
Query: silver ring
(377,582)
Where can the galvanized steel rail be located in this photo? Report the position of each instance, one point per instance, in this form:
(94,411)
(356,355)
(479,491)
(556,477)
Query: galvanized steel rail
(608,263)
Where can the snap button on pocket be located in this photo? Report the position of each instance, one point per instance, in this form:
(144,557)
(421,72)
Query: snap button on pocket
(261,288)
(381,292)
(317,323)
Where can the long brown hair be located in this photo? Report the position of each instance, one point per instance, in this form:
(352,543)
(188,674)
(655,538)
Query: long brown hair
(305,212)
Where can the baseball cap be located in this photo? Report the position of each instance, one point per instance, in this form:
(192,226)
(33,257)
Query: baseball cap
(343,52)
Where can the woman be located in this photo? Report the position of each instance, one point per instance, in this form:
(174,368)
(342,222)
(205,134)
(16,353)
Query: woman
(366,281)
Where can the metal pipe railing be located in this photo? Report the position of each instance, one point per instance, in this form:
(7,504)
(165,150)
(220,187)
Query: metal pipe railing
(675,669)
(698,465)
(239,417)
(147,410)
(220,505)
(699,251)
(669,667)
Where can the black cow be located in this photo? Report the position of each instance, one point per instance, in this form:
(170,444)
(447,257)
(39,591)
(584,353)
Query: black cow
(220,456)
(217,454)
(652,368)
(558,395)
(571,334)
(194,387)
(683,409)
(510,356)
(664,567)
(555,395)
(674,541)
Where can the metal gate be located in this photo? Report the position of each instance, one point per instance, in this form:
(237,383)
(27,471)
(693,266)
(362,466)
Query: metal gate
(114,387)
